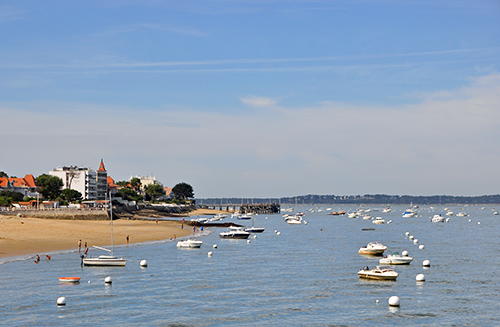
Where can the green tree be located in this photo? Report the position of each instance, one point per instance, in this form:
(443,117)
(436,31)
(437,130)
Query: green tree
(182,191)
(3,174)
(136,184)
(13,196)
(5,201)
(50,186)
(122,183)
(70,195)
(153,191)
(129,194)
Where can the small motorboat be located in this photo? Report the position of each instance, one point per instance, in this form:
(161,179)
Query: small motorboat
(69,279)
(235,232)
(255,229)
(409,213)
(294,219)
(373,248)
(380,273)
(396,259)
(378,220)
(104,260)
(461,214)
(189,243)
(367,217)
(437,219)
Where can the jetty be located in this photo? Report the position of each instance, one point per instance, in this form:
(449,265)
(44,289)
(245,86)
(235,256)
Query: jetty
(260,208)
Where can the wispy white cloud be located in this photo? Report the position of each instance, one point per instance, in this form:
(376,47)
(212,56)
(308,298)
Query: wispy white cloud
(257,101)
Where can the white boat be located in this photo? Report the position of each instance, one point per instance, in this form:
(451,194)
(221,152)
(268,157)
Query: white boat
(437,219)
(217,217)
(409,213)
(294,220)
(235,232)
(189,243)
(449,213)
(74,280)
(352,215)
(246,216)
(373,248)
(378,220)
(396,259)
(367,217)
(388,209)
(380,273)
(461,214)
(106,260)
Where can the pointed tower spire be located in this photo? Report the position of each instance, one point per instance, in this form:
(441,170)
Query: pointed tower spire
(101,166)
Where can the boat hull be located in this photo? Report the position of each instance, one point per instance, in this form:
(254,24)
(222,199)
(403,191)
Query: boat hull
(369,275)
(190,244)
(234,235)
(97,262)
(69,279)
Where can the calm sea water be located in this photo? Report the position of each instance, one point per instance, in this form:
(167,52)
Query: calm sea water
(306,276)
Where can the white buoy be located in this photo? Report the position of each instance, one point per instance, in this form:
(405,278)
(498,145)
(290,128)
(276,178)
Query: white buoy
(447,220)
(210,253)
(407,234)
(479,223)
(278,233)
(404,253)
(411,237)
(421,246)
(394,301)
(305,222)
(61,301)
(108,280)
(89,281)
(255,236)
(275,230)
(426,263)
(248,241)
(415,241)
(420,278)
(143,263)
(377,301)
(470,220)
(215,246)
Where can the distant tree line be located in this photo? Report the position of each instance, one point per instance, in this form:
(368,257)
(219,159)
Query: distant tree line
(359,199)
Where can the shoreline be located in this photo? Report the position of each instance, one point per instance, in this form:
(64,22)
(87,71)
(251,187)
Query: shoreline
(28,236)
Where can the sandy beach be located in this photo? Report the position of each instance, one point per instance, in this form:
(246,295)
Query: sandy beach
(25,236)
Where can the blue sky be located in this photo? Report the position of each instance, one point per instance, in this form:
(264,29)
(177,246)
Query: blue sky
(257,98)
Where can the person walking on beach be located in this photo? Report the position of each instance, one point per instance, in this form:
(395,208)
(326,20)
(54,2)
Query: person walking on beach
(85,246)
(37,260)
(127,239)
(79,246)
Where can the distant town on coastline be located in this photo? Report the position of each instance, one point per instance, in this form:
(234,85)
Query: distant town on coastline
(358,200)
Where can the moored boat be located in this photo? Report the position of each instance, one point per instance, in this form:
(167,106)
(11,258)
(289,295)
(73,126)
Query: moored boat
(235,232)
(396,259)
(373,248)
(379,273)
(69,279)
(189,243)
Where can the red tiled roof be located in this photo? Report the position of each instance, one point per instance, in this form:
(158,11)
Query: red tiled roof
(101,166)
(27,181)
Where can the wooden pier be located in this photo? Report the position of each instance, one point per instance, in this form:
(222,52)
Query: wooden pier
(261,208)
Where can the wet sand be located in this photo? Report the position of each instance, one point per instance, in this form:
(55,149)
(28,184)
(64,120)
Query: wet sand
(26,236)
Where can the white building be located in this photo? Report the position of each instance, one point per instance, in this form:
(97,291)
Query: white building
(90,183)
(145,181)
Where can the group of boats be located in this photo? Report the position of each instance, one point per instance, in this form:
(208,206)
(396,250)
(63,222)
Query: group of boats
(382,272)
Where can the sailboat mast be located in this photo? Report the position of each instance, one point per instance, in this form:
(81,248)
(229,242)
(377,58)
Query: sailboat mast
(111,215)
